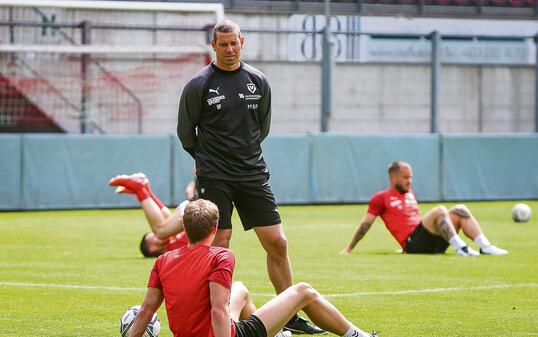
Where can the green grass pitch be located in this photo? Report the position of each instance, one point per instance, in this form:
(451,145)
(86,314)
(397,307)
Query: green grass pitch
(73,273)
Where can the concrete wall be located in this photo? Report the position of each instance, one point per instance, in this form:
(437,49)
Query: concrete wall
(396,98)
(392,97)
(369,97)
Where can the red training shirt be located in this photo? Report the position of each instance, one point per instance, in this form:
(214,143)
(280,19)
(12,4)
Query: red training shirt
(399,212)
(177,241)
(183,275)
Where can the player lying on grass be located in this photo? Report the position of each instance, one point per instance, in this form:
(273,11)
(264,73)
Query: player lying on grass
(431,233)
(166,226)
(196,284)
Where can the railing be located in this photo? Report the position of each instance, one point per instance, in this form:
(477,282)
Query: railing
(426,41)
(524,9)
(79,110)
(86,38)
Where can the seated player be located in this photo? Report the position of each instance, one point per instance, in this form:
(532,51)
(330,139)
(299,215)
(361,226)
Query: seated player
(166,227)
(196,283)
(430,234)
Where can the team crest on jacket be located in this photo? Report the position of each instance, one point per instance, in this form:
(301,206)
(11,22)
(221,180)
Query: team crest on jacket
(251,87)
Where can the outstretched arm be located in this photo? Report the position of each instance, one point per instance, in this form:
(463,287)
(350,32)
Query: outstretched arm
(365,224)
(152,302)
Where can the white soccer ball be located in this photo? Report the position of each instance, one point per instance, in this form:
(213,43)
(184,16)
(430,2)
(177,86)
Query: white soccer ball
(126,322)
(521,213)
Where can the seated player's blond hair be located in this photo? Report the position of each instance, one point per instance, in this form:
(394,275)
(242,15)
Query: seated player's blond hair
(200,217)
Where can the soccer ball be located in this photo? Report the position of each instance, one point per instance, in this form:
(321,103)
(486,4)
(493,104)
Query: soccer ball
(521,213)
(126,321)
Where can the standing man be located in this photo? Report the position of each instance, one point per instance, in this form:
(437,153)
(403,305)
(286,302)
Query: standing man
(429,234)
(224,115)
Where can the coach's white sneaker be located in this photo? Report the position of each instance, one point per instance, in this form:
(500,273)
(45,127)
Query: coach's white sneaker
(466,251)
(493,250)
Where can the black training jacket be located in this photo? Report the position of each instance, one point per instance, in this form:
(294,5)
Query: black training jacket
(223,117)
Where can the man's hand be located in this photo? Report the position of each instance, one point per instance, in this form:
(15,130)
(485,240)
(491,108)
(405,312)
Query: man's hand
(345,251)
(366,222)
(152,302)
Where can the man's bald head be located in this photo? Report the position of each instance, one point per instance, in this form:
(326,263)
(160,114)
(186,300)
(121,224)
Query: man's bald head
(401,176)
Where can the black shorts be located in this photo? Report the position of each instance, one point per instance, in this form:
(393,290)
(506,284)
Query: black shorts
(421,241)
(250,327)
(254,200)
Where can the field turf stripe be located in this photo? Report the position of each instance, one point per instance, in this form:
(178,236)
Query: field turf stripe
(354,294)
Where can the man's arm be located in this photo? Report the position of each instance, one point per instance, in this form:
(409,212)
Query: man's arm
(366,222)
(264,112)
(190,106)
(152,302)
(220,314)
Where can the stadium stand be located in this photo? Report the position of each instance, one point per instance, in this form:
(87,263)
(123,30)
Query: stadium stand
(18,114)
(67,69)
(514,9)
(487,83)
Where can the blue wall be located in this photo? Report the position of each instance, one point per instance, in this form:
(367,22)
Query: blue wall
(72,171)
(488,167)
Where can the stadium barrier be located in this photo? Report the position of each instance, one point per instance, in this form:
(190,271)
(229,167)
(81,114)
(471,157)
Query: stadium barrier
(490,167)
(11,172)
(48,171)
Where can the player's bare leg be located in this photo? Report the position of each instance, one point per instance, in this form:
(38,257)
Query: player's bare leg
(438,222)
(163,223)
(241,306)
(275,313)
(275,244)
(462,218)
(138,184)
(154,215)
(222,238)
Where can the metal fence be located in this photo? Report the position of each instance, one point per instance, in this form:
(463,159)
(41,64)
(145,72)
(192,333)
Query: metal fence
(84,87)
(98,77)
(516,9)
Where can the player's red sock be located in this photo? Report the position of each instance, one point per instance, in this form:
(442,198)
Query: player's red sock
(137,185)
(142,193)
(157,201)
(154,197)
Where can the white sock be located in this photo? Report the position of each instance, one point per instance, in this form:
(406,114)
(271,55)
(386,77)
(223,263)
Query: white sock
(353,331)
(457,242)
(482,241)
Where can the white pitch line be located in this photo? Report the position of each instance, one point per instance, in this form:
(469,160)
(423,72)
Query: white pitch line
(68,286)
(425,291)
(355,294)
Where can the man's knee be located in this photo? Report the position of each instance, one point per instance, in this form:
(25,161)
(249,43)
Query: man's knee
(240,288)
(461,211)
(440,211)
(278,246)
(306,291)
